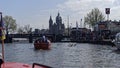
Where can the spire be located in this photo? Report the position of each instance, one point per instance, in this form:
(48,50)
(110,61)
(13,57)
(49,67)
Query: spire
(50,17)
(50,20)
(58,14)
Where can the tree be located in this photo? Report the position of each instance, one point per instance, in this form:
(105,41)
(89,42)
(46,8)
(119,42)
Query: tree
(93,17)
(20,30)
(24,29)
(27,28)
(10,24)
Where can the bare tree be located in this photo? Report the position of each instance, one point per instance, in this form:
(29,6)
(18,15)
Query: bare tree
(27,28)
(20,30)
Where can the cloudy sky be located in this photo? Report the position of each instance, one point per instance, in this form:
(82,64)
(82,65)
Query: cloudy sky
(36,13)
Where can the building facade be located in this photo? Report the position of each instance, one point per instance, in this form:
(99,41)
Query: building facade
(57,27)
(107,29)
(113,26)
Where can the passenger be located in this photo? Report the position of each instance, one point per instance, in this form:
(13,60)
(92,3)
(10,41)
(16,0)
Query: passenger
(48,41)
(44,39)
(40,40)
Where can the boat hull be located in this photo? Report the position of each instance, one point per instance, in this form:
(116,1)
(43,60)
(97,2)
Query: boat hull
(44,46)
(20,65)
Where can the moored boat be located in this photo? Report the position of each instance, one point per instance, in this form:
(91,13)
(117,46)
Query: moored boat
(42,44)
(116,41)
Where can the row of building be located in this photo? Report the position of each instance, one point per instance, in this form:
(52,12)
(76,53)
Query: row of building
(101,28)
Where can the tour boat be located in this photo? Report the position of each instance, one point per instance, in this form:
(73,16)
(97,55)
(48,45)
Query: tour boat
(116,41)
(42,44)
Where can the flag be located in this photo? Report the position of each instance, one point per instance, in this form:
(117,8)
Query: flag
(2,33)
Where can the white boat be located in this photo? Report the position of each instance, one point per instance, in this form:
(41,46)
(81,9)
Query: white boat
(116,41)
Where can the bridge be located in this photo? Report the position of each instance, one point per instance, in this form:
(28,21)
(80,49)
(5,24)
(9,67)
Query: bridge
(31,37)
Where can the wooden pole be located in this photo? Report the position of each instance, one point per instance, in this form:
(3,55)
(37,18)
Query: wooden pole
(3,50)
(107,17)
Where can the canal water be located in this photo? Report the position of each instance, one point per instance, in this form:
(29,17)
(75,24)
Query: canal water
(65,55)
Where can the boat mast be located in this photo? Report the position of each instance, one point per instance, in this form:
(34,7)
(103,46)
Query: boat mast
(68,26)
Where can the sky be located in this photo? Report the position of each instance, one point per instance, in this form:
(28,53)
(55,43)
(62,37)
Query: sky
(36,13)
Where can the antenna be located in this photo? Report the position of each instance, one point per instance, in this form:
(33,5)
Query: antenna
(68,24)
(81,22)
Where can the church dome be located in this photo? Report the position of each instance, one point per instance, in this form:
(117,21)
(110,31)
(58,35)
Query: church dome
(58,18)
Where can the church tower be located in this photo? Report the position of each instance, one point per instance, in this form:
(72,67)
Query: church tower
(50,25)
(58,19)
(57,27)
(59,23)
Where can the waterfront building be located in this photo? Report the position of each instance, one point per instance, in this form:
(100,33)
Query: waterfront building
(57,27)
(80,34)
(107,28)
(113,26)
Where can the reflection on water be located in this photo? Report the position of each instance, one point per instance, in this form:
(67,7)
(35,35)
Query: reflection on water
(65,55)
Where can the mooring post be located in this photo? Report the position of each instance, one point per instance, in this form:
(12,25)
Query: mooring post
(30,38)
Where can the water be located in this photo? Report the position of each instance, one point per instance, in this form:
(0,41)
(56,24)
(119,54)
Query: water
(65,55)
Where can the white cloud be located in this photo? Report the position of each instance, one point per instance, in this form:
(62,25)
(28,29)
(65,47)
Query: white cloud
(116,2)
(77,5)
(79,8)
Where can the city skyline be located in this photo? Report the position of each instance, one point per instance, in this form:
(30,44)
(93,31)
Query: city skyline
(36,13)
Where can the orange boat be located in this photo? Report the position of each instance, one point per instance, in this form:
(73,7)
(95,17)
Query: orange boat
(41,44)
(22,65)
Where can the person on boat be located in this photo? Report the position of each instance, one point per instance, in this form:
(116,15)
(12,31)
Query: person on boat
(44,39)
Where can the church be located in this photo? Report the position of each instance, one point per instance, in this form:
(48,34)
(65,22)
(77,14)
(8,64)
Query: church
(58,27)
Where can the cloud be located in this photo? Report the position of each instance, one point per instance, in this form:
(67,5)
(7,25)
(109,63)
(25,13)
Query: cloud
(85,5)
(76,10)
(79,8)
(116,2)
